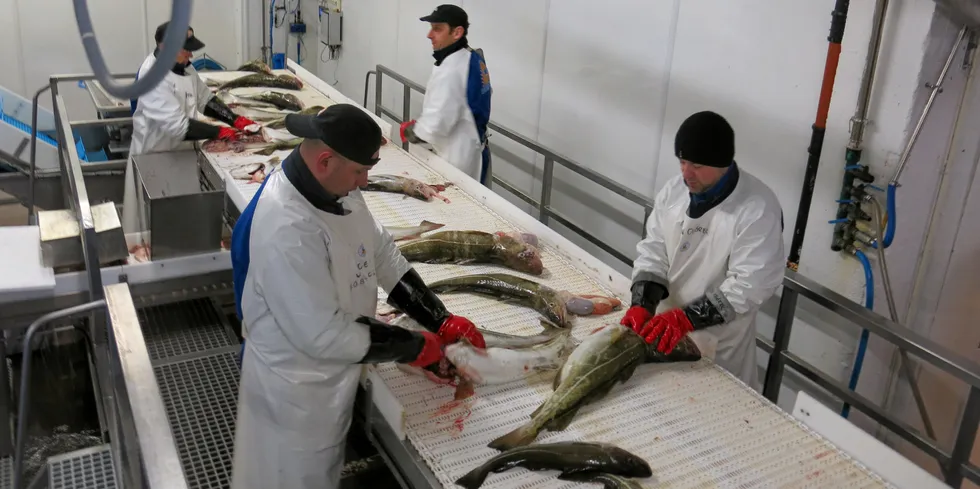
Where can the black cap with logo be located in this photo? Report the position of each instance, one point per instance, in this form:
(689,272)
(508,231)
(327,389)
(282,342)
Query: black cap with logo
(347,129)
(191,44)
(450,14)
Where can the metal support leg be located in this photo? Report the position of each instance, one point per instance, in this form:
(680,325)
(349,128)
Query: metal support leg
(406,108)
(6,444)
(546,181)
(30,200)
(780,340)
(965,436)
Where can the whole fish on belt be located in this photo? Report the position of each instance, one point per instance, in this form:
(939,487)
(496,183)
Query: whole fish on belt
(400,233)
(232,100)
(404,185)
(281,122)
(286,82)
(552,304)
(507,358)
(608,481)
(283,101)
(278,145)
(569,457)
(255,172)
(603,359)
(259,114)
(512,250)
(256,65)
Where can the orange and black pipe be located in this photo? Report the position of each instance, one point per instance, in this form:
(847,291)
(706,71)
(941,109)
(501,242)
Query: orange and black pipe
(839,18)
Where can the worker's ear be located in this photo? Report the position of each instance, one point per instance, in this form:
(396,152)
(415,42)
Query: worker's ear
(458,32)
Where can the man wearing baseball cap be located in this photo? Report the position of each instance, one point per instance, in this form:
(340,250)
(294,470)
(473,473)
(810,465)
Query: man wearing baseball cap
(456,108)
(166,117)
(713,252)
(307,260)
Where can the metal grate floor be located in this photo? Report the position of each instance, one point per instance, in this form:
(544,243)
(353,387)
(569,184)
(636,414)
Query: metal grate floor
(201,396)
(90,468)
(184,328)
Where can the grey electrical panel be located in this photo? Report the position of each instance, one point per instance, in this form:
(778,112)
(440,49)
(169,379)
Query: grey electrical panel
(331,28)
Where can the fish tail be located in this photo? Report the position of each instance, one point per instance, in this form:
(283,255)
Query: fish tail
(431,226)
(474,478)
(520,437)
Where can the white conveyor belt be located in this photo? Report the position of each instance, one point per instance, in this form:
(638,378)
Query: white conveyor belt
(694,423)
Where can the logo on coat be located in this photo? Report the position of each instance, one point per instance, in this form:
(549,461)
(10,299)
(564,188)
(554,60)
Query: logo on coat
(364,271)
(686,246)
(696,230)
(361,252)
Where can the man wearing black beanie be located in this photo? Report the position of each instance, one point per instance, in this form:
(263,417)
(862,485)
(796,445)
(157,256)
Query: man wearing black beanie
(713,252)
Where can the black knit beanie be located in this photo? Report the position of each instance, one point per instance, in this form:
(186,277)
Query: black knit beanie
(706,138)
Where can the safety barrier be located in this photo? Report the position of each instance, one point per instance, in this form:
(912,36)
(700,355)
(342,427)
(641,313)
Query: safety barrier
(955,462)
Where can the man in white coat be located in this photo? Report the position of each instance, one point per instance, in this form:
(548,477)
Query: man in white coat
(307,260)
(166,117)
(456,108)
(713,252)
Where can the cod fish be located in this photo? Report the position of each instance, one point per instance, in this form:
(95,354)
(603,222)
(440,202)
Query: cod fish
(569,457)
(400,233)
(255,172)
(552,304)
(243,142)
(512,250)
(286,82)
(256,65)
(278,145)
(260,114)
(282,101)
(608,481)
(507,358)
(233,101)
(280,123)
(603,359)
(404,185)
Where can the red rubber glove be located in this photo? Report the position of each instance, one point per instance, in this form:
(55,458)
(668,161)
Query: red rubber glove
(672,325)
(456,328)
(431,351)
(242,122)
(636,317)
(227,133)
(401,129)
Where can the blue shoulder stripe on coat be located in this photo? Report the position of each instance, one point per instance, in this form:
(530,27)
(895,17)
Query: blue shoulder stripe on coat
(240,238)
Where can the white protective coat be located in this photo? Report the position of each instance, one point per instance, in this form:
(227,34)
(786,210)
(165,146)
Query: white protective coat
(733,252)
(160,123)
(446,121)
(311,274)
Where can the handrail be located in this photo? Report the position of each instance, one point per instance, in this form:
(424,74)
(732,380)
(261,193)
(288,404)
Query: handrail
(955,463)
(551,157)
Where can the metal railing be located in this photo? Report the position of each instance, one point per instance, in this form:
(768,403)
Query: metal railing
(955,463)
(551,157)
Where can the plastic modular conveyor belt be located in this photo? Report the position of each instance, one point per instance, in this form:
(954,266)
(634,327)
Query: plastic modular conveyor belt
(696,424)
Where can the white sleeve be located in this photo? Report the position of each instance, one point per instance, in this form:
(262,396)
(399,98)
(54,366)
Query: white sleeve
(756,265)
(204,93)
(162,106)
(651,262)
(391,265)
(442,107)
(296,283)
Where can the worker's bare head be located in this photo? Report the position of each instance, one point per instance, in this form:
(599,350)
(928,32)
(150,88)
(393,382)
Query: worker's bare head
(190,45)
(705,146)
(448,24)
(341,144)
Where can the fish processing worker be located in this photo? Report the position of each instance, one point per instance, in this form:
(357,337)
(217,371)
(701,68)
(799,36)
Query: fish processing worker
(713,252)
(166,116)
(307,260)
(456,107)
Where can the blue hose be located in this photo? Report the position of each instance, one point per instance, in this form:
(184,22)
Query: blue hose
(869,302)
(892,222)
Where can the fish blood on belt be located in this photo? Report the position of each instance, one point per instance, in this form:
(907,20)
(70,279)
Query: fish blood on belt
(603,359)
(517,251)
(570,458)
(552,304)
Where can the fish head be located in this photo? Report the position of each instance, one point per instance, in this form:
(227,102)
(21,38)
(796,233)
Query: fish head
(519,255)
(627,464)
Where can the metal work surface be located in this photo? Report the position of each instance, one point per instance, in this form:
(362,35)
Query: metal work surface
(90,468)
(694,423)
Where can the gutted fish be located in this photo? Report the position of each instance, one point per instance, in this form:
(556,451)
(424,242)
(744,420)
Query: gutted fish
(400,233)
(278,145)
(511,250)
(256,65)
(283,101)
(280,123)
(233,101)
(552,304)
(569,457)
(255,172)
(243,142)
(404,185)
(260,114)
(603,359)
(286,82)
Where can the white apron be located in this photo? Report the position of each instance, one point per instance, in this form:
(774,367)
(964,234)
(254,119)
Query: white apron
(291,434)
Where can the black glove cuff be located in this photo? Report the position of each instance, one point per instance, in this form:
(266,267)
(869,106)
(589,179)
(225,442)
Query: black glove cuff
(411,137)
(413,297)
(648,295)
(391,343)
(217,109)
(711,309)
(199,130)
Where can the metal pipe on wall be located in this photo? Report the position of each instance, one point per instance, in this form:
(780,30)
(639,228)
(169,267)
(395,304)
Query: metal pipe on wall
(839,19)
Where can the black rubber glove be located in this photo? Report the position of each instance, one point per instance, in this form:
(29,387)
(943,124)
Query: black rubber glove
(216,109)
(391,343)
(199,131)
(413,297)
(648,295)
(711,309)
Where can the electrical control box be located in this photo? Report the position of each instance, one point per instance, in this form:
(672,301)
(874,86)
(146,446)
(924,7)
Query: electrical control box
(331,28)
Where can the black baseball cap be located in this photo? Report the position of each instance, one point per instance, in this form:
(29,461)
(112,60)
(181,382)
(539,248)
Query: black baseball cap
(191,44)
(346,128)
(450,14)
